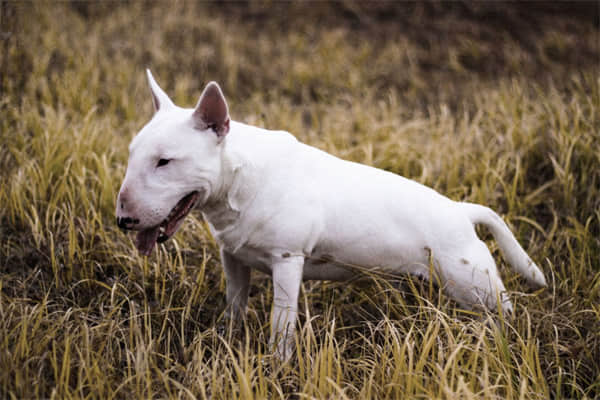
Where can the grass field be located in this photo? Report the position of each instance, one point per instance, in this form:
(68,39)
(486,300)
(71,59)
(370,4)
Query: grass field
(494,103)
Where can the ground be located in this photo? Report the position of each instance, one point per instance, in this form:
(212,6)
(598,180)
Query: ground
(495,103)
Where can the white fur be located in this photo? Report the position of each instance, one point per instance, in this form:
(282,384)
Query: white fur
(294,211)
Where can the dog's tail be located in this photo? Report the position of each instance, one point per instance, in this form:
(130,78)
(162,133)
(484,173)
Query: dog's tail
(511,249)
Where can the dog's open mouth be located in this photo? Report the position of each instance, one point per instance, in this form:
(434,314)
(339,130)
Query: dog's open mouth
(159,233)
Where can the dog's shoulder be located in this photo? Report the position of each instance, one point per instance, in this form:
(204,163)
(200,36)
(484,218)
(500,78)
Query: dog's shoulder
(257,143)
(255,132)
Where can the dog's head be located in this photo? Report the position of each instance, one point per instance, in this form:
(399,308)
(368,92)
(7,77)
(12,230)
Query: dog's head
(174,164)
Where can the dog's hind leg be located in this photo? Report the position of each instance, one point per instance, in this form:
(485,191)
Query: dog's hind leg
(472,279)
(512,250)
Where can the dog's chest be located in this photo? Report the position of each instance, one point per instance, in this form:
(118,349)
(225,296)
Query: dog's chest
(232,235)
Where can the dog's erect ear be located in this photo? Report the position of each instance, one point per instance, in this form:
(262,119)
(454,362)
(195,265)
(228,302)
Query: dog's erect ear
(159,97)
(211,111)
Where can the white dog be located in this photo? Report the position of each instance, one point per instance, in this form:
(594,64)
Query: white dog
(296,212)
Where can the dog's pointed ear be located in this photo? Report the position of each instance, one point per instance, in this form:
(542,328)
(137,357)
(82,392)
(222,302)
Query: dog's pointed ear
(159,98)
(212,111)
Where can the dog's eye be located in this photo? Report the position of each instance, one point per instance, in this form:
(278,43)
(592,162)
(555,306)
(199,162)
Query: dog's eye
(162,162)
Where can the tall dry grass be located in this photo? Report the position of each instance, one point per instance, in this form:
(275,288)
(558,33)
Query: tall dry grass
(495,104)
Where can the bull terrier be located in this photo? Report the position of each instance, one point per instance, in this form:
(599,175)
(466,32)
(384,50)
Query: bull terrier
(295,212)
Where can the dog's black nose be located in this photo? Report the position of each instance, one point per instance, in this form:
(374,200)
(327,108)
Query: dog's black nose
(126,222)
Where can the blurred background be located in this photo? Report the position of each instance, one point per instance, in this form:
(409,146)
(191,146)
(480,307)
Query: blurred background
(424,52)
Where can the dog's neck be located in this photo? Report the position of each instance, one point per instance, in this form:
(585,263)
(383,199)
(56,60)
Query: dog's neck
(233,187)
(248,155)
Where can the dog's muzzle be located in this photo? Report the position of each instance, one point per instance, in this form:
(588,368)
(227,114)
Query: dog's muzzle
(126,223)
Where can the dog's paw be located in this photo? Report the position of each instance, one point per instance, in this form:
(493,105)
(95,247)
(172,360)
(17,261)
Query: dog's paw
(229,328)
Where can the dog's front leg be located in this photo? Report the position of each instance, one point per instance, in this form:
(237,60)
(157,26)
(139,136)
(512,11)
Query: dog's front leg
(237,277)
(287,276)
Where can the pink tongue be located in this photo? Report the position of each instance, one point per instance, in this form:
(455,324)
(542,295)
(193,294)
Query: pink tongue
(146,239)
